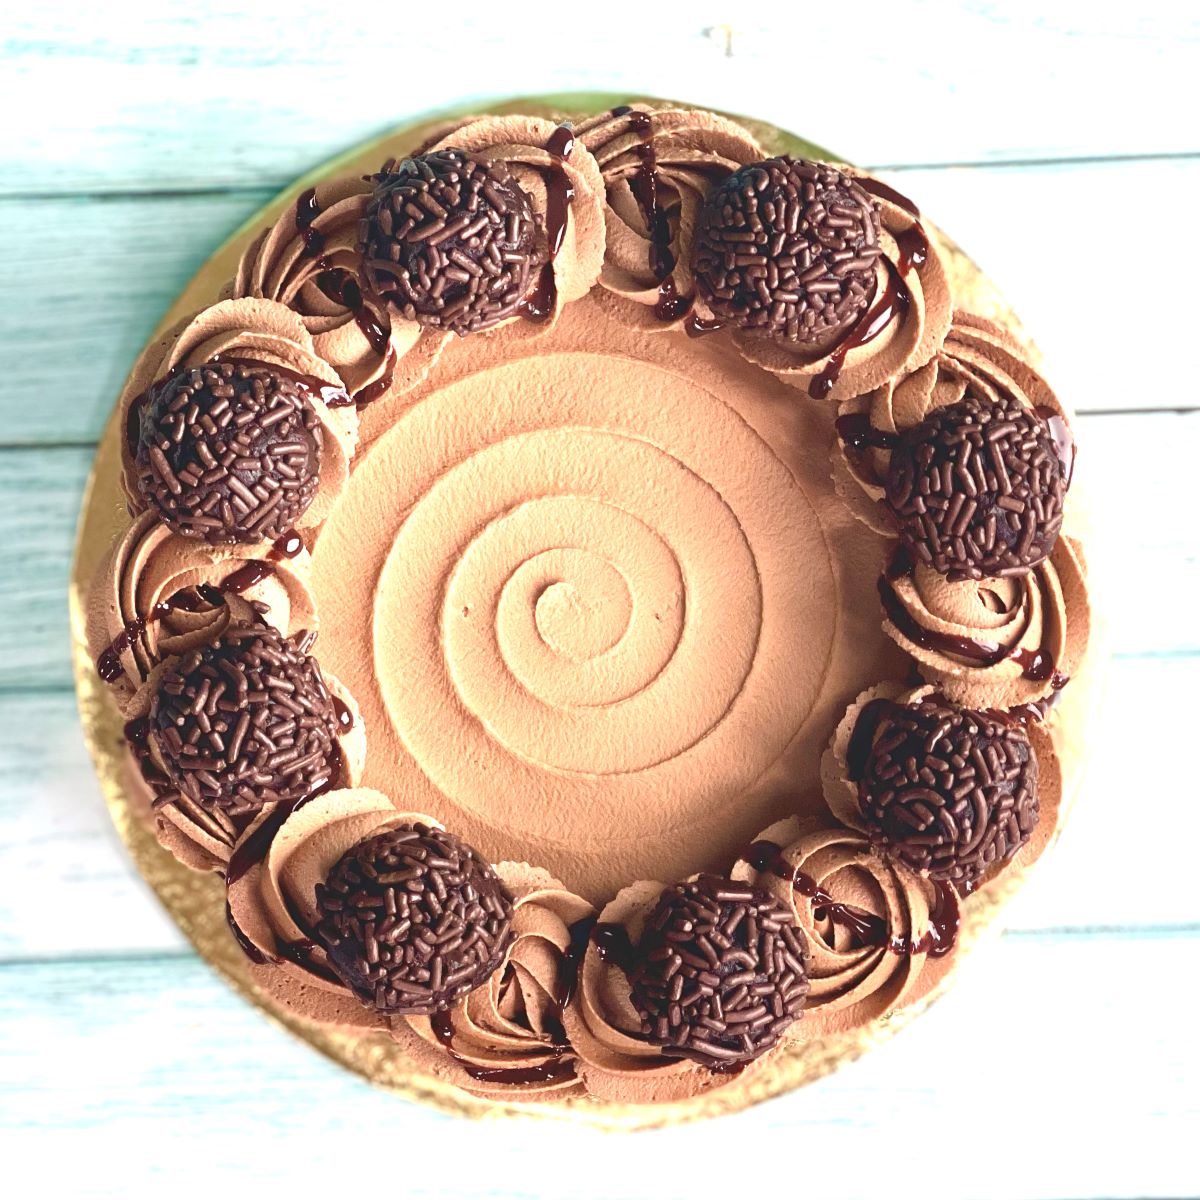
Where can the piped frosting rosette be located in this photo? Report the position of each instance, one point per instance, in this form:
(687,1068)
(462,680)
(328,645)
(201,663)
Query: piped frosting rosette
(566,190)
(508,1036)
(902,327)
(310,262)
(659,164)
(978,356)
(859,969)
(131,617)
(503,1036)
(994,643)
(253,331)
(858,730)
(616,1061)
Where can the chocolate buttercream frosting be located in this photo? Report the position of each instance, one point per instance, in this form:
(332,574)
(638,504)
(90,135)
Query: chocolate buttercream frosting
(585,592)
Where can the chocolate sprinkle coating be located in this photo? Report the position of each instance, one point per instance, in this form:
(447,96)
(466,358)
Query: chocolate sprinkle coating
(788,248)
(230,451)
(977,488)
(722,972)
(413,918)
(245,722)
(449,242)
(949,791)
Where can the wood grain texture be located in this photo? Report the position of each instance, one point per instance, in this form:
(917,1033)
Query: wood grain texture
(40,489)
(262,93)
(138,135)
(83,317)
(70,889)
(158,1074)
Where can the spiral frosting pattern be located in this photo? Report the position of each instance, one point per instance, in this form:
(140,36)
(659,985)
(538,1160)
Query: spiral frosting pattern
(579,593)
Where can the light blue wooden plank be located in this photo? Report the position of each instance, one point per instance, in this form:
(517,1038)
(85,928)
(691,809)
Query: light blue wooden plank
(81,317)
(88,280)
(39,503)
(1055,1068)
(179,95)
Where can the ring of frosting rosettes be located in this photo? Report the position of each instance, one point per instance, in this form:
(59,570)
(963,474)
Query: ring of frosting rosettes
(240,427)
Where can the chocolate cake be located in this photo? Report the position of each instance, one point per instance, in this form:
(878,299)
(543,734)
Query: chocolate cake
(598,603)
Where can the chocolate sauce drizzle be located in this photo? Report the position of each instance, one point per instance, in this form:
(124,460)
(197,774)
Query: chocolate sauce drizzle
(1036,665)
(913,242)
(554,1070)
(892,305)
(248,853)
(540,303)
(936,941)
(345,290)
(206,595)
(613,946)
(670,306)
(345,718)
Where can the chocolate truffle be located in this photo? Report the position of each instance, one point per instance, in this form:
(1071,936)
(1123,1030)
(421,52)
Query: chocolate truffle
(949,791)
(449,242)
(977,488)
(721,972)
(788,248)
(244,722)
(413,919)
(230,451)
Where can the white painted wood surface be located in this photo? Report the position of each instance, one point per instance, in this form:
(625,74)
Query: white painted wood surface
(137,136)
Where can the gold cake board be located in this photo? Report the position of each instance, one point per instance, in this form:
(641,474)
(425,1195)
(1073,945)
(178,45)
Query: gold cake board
(196,901)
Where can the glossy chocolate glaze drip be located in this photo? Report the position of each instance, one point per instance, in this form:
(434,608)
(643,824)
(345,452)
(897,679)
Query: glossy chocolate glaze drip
(644,185)
(913,242)
(856,430)
(892,305)
(287,545)
(936,941)
(248,853)
(540,303)
(613,945)
(863,736)
(307,211)
(205,595)
(345,718)
(555,1070)
(697,326)
(859,436)
(581,938)
(768,856)
(342,288)
(1036,665)
(372,391)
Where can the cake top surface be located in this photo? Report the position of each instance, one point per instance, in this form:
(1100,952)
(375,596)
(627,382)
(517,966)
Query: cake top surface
(598,490)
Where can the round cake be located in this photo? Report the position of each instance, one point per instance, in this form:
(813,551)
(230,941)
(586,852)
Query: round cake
(592,609)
